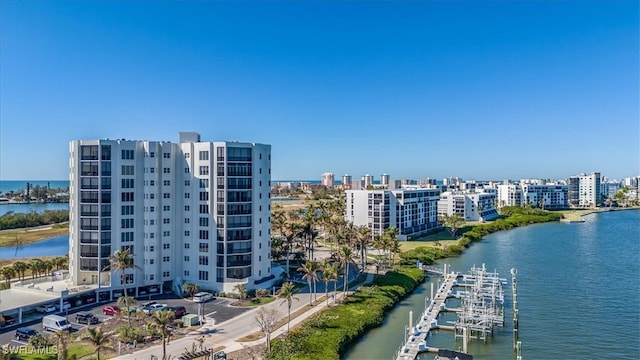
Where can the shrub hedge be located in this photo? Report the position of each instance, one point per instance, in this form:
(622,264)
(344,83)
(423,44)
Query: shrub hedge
(328,334)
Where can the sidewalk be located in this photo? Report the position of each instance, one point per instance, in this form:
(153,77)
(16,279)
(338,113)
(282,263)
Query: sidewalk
(225,334)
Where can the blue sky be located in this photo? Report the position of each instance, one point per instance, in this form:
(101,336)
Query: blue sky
(480,90)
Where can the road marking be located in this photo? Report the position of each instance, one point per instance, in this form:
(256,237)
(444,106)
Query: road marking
(211,313)
(20,342)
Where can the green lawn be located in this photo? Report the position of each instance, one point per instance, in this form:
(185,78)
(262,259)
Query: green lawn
(260,301)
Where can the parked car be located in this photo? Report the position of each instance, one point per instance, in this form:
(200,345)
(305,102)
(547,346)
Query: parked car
(179,311)
(65,306)
(87,318)
(155,307)
(46,308)
(145,305)
(202,297)
(6,320)
(25,333)
(55,323)
(110,310)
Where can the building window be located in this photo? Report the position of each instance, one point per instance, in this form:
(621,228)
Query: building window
(187,195)
(187,220)
(204,170)
(166,233)
(186,273)
(126,183)
(187,183)
(127,154)
(152,208)
(152,248)
(204,196)
(187,234)
(203,260)
(166,246)
(166,155)
(126,210)
(203,275)
(152,170)
(186,259)
(166,221)
(204,235)
(126,223)
(187,155)
(187,208)
(126,196)
(204,155)
(152,154)
(204,221)
(166,274)
(203,247)
(166,259)
(166,195)
(204,209)
(166,170)
(186,245)
(186,170)
(166,208)
(166,182)
(204,183)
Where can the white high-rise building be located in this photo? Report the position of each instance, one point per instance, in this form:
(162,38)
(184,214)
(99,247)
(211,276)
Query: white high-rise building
(367,180)
(412,210)
(191,211)
(328,179)
(585,190)
(384,179)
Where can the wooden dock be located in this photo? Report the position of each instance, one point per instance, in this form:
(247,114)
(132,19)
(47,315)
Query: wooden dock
(416,338)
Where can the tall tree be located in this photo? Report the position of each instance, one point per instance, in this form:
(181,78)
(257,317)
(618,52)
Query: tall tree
(8,273)
(363,240)
(453,222)
(287,292)
(292,231)
(62,337)
(310,270)
(266,319)
(20,268)
(122,261)
(242,291)
(100,340)
(160,320)
(346,257)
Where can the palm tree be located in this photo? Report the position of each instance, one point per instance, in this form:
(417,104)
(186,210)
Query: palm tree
(331,273)
(190,288)
(292,231)
(310,270)
(161,321)
(8,273)
(62,337)
(126,302)
(20,267)
(286,293)
(99,339)
(36,266)
(346,257)
(122,260)
(47,266)
(380,243)
(390,238)
(363,240)
(59,261)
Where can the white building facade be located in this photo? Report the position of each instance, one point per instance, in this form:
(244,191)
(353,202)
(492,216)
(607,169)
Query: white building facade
(188,212)
(471,206)
(550,196)
(328,179)
(585,191)
(413,211)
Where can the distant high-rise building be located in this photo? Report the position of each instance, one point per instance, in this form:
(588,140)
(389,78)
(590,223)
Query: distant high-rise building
(384,179)
(346,180)
(367,180)
(589,191)
(191,211)
(328,179)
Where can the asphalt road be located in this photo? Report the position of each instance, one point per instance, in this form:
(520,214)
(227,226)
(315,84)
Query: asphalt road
(219,309)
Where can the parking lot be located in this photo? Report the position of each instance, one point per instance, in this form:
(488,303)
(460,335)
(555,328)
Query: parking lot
(217,309)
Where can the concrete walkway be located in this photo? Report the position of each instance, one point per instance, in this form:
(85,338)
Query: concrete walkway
(225,334)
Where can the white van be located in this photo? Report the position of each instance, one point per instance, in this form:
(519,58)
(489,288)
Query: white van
(202,297)
(55,323)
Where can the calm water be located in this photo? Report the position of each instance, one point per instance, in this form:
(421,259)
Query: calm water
(56,246)
(578,293)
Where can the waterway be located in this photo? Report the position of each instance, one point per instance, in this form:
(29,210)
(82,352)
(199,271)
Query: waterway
(578,293)
(57,246)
